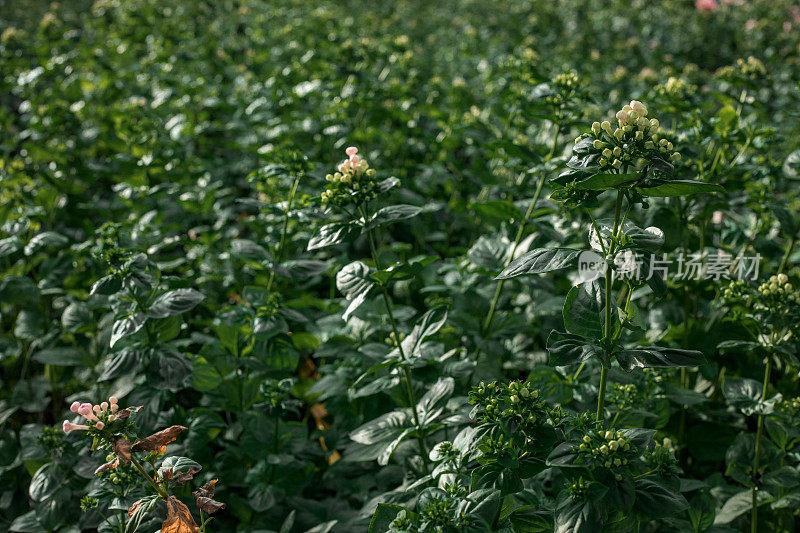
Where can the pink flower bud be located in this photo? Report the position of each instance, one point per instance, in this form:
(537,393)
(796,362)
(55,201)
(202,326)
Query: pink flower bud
(351,151)
(74,407)
(68,426)
(85,410)
(99,425)
(622,116)
(354,159)
(114,407)
(96,409)
(104,406)
(113,399)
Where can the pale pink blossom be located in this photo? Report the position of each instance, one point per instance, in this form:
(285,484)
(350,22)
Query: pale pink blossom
(706,5)
(99,425)
(750,24)
(351,151)
(75,406)
(113,399)
(68,426)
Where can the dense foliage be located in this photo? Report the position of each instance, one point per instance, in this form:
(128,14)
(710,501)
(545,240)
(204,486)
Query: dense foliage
(319,266)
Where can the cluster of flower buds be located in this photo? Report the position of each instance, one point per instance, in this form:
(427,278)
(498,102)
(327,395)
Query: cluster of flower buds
(776,295)
(96,416)
(579,488)
(660,457)
(625,396)
(513,401)
(353,181)
(635,137)
(564,86)
(606,448)
(750,69)
(790,407)
(676,88)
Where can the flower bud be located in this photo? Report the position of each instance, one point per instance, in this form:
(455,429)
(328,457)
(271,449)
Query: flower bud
(599,144)
(639,107)
(617,163)
(607,153)
(606,125)
(75,406)
(99,425)
(639,136)
(596,128)
(351,151)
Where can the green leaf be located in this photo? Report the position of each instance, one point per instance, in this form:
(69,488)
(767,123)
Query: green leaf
(429,406)
(567,349)
(738,504)
(727,118)
(146,506)
(383,429)
(654,500)
(540,260)
(122,362)
(488,252)
(678,188)
(75,315)
(303,269)
(27,523)
(46,481)
(499,209)
(604,182)
(174,302)
(355,283)
(19,290)
(42,240)
(179,465)
(584,310)
(384,515)
(330,234)
(106,286)
(61,357)
(656,356)
(392,213)
(126,326)
(431,322)
(578,516)
(249,250)
(745,395)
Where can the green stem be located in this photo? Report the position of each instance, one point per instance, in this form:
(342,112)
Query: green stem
(601,393)
(487,323)
(406,371)
(284,230)
(759,430)
(161,492)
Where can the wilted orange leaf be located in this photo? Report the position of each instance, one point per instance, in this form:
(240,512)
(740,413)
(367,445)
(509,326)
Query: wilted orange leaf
(179,519)
(122,448)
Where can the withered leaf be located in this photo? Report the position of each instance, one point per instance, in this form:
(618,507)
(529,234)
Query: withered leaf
(204,497)
(209,506)
(122,448)
(179,519)
(134,508)
(124,414)
(107,466)
(181,478)
(206,491)
(158,439)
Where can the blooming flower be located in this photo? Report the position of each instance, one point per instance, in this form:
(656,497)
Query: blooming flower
(68,426)
(706,5)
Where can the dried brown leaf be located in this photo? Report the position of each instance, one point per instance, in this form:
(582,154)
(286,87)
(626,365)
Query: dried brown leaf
(179,519)
(158,439)
(122,448)
(204,497)
(107,466)
(182,478)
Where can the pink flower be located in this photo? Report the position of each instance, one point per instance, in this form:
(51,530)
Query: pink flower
(68,426)
(85,410)
(706,5)
(99,425)
(351,151)
(74,407)
(113,399)
(750,24)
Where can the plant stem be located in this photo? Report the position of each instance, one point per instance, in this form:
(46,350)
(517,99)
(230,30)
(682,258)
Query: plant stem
(284,229)
(759,430)
(601,393)
(412,399)
(487,323)
(161,492)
